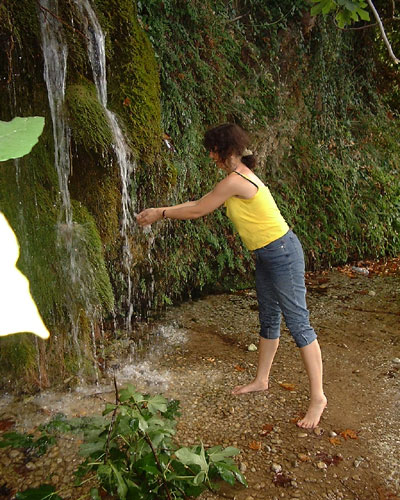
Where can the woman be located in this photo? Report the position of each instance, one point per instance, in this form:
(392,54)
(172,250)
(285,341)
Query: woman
(279,258)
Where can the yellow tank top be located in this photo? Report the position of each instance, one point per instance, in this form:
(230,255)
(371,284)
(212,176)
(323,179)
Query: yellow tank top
(257,219)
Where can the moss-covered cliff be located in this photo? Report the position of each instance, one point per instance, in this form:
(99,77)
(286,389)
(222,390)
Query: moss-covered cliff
(327,143)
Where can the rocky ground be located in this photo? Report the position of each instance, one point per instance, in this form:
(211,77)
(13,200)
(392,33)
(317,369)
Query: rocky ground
(199,352)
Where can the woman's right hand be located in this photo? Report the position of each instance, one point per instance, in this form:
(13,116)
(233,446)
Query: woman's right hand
(148,216)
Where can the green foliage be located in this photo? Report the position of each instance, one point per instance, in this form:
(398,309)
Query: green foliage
(134,456)
(18,136)
(44,492)
(347,11)
(132,452)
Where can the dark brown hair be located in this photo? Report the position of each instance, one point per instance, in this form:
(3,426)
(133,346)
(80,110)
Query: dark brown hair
(227,139)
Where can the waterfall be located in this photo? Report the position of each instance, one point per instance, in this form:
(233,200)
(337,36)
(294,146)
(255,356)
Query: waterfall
(79,274)
(55,53)
(97,57)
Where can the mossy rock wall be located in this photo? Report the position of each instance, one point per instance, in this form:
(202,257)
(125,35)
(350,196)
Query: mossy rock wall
(326,138)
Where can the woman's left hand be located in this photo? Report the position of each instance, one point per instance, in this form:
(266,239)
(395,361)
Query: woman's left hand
(148,216)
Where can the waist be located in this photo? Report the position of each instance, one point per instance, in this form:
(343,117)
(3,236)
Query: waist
(275,242)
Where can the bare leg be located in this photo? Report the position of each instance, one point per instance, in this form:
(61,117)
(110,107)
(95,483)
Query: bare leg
(266,353)
(311,355)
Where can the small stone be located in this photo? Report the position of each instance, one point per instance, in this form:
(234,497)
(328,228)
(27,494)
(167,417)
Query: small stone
(321,465)
(276,468)
(303,457)
(14,454)
(358,461)
(253,469)
(243,467)
(302,434)
(332,434)
(372,293)
(318,431)
(30,466)
(396,361)
(252,348)
(356,477)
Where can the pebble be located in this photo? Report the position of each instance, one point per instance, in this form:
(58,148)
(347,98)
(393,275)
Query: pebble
(14,454)
(252,348)
(321,465)
(332,434)
(358,461)
(318,431)
(302,434)
(396,361)
(276,468)
(30,466)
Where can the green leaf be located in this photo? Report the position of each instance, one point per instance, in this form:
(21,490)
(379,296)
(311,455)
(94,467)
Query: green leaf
(143,426)
(328,6)
(200,477)
(130,392)
(88,449)
(157,403)
(18,136)
(122,486)
(187,457)
(109,408)
(16,440)
(364,15)
(44,492)
(94,494)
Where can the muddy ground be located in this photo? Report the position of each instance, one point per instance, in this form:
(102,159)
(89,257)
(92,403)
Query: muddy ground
(199,352)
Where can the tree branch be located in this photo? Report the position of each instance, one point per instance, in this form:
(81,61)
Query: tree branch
(385,39)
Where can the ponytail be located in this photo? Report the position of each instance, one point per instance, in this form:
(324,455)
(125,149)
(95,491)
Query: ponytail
(249,160)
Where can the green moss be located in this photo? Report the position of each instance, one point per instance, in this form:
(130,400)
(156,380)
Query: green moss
(87,118)
(134,87)
(18,357)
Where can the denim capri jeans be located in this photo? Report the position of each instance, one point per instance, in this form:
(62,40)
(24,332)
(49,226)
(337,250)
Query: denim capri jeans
(281,289)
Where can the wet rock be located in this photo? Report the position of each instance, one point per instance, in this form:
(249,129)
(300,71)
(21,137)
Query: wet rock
(302,435)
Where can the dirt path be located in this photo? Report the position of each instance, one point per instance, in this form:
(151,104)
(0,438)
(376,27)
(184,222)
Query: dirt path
(354,454)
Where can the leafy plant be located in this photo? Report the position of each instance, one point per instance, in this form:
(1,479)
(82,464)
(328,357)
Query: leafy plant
(18,136)
(347,11)
(134,456)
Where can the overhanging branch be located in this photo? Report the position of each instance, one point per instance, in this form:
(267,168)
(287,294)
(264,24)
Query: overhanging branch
(383,33)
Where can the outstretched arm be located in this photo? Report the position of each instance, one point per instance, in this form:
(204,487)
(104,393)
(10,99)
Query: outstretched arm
(192,209)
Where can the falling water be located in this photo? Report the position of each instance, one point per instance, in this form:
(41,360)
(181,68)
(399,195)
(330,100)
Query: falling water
(96,50)
(55,53)
(71,236)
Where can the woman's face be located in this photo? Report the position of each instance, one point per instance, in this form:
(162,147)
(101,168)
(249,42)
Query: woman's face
(215,156)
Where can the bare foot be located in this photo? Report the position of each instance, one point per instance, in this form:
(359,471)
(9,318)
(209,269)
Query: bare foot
(252,387)
(313,414)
